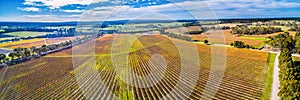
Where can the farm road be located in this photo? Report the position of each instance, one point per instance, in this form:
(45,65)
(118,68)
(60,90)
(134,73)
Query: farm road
(275,84)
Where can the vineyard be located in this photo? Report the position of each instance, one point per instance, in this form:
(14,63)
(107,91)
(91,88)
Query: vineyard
(54,76)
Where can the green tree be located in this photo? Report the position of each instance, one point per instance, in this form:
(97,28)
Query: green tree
(2,58)
(297,34)
(297,43)
(12,55)
(33,49)
(27,52)
(205,41)
(282,41)
(18,54)
(289,76)
(238,44)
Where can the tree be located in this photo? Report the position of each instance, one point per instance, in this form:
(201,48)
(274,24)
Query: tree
(297,34)
(12,55)
(44,48)
(27,53)
(193,32)
(289,76)
(297,43)
(2,58)
(238,44)
(289,72)
(205,41)
(282,41)
(33,49)
(244,30)
(18,55)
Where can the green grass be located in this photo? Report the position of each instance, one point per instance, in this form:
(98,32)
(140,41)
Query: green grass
(5,38)
(260,45)
(266,95)
(25,33)
(254,38)
(127,95)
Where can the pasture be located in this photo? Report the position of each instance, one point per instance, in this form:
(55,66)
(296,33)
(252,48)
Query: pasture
(252,40)
(23,34)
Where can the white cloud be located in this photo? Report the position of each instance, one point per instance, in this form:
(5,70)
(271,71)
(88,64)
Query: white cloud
(72,11)
(253,8)
(209,9)
(181,10)
(278,5)
(253,4)
(31,9)
(53,4)
(42,18)
(31,4)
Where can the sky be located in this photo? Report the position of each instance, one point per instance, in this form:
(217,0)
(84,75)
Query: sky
(99,10)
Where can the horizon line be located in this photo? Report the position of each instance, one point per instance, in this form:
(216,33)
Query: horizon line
(228,18)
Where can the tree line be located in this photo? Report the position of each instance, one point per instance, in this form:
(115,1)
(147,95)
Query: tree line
(178,36)
(23,54)
(241,44)
(289,73)
(295,27)
(244,30)
(20,55)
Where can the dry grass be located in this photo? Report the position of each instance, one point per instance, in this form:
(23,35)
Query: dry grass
(33,42)
(252,40)
(23,43)
(219,36)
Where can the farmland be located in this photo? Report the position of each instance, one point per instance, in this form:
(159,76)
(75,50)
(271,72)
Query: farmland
(33,42)
(22,42)
(54,76)
(252,40)
(229,38)
(24,34)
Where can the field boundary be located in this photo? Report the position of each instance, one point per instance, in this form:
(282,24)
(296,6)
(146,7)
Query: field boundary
(266,95)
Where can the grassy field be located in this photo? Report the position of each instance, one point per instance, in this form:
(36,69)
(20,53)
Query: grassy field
(252,40)
(24,34)
(17,44)
(229,38)
(53,75)
(5,38)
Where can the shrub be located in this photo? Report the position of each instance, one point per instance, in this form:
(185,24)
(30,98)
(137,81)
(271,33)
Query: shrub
(205,41)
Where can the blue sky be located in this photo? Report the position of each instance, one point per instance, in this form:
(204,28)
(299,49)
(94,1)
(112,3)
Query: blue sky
(95,10)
